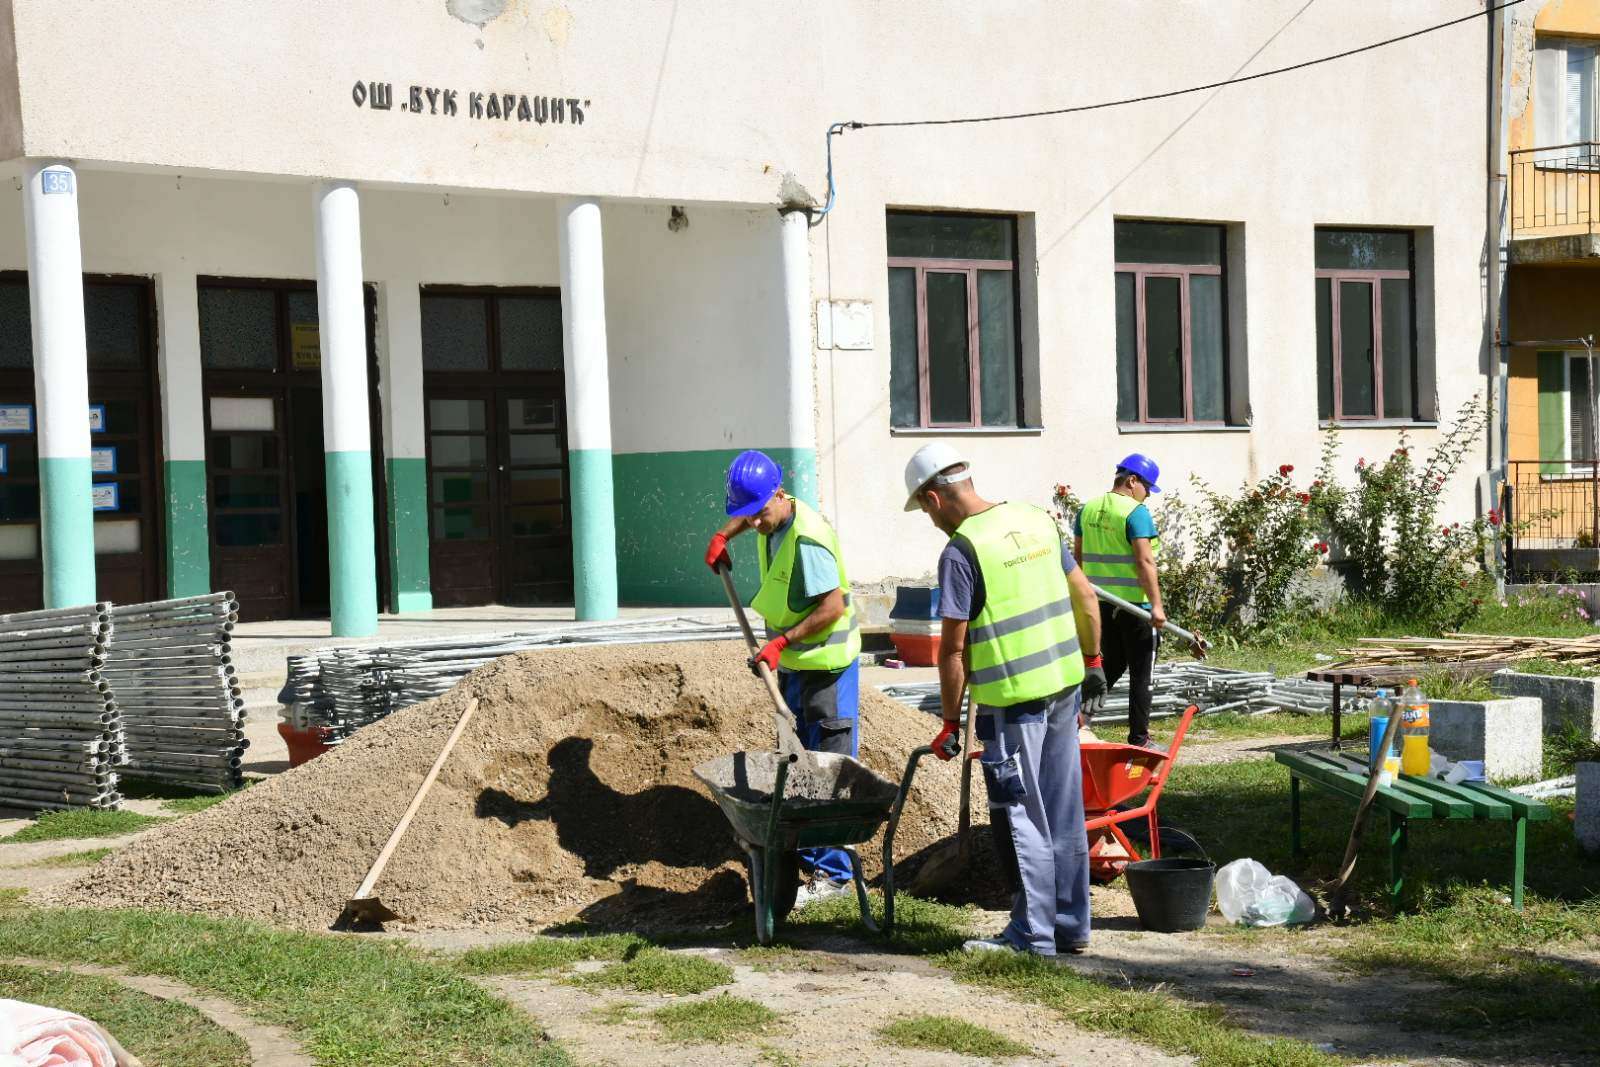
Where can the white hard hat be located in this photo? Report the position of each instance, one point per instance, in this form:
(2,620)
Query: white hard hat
(925,466)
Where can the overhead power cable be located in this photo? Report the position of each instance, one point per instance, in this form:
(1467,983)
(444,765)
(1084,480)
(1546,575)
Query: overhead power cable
(839,127)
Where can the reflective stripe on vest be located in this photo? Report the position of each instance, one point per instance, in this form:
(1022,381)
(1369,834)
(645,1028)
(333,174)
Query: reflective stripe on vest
(836,647)
(1107,556)
(1023,645)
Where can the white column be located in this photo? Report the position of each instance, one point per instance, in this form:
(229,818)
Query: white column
(404,442)
(188,542)
(800,385)
(583,325)
(346,431)
(61,382)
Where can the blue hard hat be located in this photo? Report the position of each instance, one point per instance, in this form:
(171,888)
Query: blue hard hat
(1142,465)
(752,479)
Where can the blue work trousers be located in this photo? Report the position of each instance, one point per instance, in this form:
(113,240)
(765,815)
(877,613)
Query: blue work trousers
(1032,773)
(826,707)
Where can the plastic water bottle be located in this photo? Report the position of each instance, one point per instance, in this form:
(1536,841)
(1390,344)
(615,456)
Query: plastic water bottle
(1385,764)
(1414,755)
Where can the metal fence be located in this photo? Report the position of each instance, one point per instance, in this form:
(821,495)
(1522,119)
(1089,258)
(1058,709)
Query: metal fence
(1551,505)
(1555,191)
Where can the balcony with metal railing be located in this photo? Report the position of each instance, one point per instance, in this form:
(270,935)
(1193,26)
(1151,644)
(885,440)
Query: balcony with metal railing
(1554,203)
(1552,508)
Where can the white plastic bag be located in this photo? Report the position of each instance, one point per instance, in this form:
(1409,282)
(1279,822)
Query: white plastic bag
(1248,893)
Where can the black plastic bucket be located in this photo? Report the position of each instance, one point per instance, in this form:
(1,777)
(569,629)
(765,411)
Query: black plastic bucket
(1171,894)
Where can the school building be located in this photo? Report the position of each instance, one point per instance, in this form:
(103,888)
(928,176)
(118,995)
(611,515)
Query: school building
(385,306)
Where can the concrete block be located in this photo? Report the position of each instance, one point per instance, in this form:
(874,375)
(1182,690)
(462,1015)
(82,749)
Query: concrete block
(1586,823)
(1568,702)
(1508,735)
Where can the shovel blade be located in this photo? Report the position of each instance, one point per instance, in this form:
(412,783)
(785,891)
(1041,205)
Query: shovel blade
(365,913)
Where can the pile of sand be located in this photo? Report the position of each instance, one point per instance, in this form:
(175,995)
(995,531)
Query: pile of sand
(569,796)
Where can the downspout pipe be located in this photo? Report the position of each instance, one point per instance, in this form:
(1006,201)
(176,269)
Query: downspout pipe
(1494,196)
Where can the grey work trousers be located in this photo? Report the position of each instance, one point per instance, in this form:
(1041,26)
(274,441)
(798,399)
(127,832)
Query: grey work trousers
(1032,773)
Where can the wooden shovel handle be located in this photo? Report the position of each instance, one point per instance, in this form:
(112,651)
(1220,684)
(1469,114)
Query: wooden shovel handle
(788,740)
(416,802)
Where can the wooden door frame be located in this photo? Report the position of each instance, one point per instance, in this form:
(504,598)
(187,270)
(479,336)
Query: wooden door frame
(278,383)
(145,380)
(495,383)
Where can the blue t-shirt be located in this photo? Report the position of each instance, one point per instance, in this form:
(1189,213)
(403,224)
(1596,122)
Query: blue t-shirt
(1139,524)
(814,566)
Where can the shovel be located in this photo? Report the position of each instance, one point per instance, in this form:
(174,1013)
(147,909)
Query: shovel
(1199,644)
(782,719)
(951,859)
(365,909)
(1336,904)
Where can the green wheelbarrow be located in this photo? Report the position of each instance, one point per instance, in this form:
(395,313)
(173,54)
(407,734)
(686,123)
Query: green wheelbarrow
(778,803)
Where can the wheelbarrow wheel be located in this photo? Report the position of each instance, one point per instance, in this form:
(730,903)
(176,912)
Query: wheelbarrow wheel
(788,887)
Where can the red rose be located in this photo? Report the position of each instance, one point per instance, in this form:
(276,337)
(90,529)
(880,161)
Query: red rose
(1305,498)
(1285,470)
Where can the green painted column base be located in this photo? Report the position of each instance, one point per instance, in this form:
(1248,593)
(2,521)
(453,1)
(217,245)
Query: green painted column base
(668,506)
(188,535)
(594,534)
(66,531)
(409,579)
(352,552)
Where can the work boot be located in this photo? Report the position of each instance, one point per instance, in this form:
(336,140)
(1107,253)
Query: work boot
(819,888)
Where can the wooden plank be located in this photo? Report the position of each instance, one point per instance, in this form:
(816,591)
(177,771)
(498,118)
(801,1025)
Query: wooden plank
(1445,805)
(1485,806)
(1350,785)
(1521,806)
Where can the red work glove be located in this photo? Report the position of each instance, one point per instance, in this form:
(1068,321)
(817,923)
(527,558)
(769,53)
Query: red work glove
(717,553)
(769,653)
(948,744)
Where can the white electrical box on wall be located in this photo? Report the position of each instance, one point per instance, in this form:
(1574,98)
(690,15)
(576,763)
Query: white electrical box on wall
(845,324)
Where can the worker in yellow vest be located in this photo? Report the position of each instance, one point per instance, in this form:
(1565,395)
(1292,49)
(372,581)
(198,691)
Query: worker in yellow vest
(1115,539)
(813,642)
(1019,621)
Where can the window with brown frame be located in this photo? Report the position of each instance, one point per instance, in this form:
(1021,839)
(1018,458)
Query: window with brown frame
(1366,325)
(953,350)
(1172,323)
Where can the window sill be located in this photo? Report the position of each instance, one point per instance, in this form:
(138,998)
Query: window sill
(1179,427)
(965,431)
(1376,424)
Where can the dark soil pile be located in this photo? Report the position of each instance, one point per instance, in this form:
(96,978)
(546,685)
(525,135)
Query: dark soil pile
(569,797)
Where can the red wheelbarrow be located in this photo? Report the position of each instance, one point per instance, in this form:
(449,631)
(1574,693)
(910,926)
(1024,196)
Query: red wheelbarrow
(1113,774)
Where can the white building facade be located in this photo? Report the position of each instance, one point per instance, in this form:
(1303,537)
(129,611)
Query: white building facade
(388,306)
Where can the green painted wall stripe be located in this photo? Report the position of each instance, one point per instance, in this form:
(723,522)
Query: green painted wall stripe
(66,530)
(668,505)
(594,533)
(188,536)
(352,552)
(407,484)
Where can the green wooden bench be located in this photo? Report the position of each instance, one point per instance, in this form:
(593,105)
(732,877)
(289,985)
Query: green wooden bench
(1407,799)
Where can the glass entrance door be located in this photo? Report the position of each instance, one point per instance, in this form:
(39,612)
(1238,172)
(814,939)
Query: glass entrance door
(537,538)
(498,505)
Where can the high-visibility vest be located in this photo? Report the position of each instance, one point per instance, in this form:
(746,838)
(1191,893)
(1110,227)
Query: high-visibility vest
(1107,553)
(782,603)
(1023,644)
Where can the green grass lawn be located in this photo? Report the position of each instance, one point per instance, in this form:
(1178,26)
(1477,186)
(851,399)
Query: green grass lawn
(722,1019)
(82,822)
(162,1033)
(87,858)
(657,970)
(944,1033)
(1320,638)
(349,1001)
